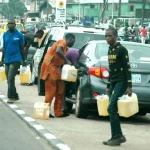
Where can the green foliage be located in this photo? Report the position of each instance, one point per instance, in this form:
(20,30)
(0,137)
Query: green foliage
(13,8)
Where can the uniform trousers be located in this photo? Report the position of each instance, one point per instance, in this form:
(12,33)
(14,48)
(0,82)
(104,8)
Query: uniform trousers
(54,88)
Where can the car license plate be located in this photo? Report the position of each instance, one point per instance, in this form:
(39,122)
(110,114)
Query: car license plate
(136,78)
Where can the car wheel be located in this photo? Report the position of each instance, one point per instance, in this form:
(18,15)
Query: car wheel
(81,110)
(141,113)
(33,76)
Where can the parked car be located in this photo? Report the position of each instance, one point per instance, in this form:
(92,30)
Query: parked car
(97,65)
(29,27)
(94,58)
(82,36)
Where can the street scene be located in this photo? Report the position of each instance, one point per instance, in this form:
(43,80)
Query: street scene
(74,74)
(82,134)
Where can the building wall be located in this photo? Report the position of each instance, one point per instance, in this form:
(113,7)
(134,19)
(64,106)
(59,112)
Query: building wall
(96,9)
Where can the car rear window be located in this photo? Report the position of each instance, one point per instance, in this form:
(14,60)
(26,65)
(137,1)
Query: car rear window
(137,52)
(141,53)
(101,50)
(83,38)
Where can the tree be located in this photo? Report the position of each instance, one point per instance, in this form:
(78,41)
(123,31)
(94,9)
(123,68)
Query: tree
(13,8)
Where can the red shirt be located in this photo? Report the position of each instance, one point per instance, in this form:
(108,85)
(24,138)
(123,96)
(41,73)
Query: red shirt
(144,32)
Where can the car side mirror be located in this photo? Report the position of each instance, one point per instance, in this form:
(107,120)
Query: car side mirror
(35,44)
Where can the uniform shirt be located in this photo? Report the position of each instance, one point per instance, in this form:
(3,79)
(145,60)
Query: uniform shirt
(72,55)
(119,66)
(12,45)
(52,61)
(29,38)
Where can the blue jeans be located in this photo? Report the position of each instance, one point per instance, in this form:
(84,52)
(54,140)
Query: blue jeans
(11,70)
(117,89)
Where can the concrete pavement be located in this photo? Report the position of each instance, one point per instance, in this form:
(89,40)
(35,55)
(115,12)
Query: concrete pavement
(81,134)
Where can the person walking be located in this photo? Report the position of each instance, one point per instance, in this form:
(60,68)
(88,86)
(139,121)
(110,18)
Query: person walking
(119,83)
(144,34)
(126,34)
(136,33)
(13,55)
(50,72)
(29,39)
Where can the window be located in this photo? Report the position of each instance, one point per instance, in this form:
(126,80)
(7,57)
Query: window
(83,38)
(48,36)
(116,6)
(140,53)
(85,52)
(93,6)
(101,51)
(131,8)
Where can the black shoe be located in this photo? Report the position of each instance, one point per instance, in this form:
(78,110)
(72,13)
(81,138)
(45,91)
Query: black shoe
(51,116)
(64,115)
(16,98)
(115,141)
(10,101)
(29,84)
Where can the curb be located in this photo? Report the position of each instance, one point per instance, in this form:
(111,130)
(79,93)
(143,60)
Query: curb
(39,129)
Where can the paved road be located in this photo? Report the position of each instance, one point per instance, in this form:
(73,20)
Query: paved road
(85,134)
(15,135)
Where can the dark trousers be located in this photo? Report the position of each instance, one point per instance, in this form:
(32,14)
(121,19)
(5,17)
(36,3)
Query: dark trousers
(11,71)
(117,89)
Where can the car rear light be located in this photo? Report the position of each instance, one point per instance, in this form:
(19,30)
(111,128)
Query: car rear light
(99,72)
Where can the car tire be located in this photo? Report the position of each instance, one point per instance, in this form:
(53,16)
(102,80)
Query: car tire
(81,110)
(33,77)
(142,113)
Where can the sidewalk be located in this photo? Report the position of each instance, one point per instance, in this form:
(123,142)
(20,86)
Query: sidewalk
(39,129)
(75,133)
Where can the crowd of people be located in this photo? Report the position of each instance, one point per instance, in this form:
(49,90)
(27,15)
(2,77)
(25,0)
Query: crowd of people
(14,54)
(137,34)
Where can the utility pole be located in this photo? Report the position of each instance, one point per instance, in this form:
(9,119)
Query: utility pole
(47,9)
(101,18)
(119,10)
(143,11)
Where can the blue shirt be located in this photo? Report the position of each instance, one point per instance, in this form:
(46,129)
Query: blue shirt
(12,45)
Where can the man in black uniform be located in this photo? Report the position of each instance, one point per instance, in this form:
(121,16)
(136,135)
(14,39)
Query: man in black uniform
(119,83)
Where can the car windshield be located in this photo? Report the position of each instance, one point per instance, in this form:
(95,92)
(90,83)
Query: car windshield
(83,38)
(140,53)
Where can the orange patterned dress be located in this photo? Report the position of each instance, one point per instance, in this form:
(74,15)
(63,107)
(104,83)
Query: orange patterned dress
(54,86)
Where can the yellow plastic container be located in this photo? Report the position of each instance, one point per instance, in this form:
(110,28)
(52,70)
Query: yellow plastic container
(2,74)
(69,73)
(41,110)
(102,104)
(128,106)
(25,74)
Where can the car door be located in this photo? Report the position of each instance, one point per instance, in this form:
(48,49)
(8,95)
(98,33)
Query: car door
(39,52)
(41,83)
